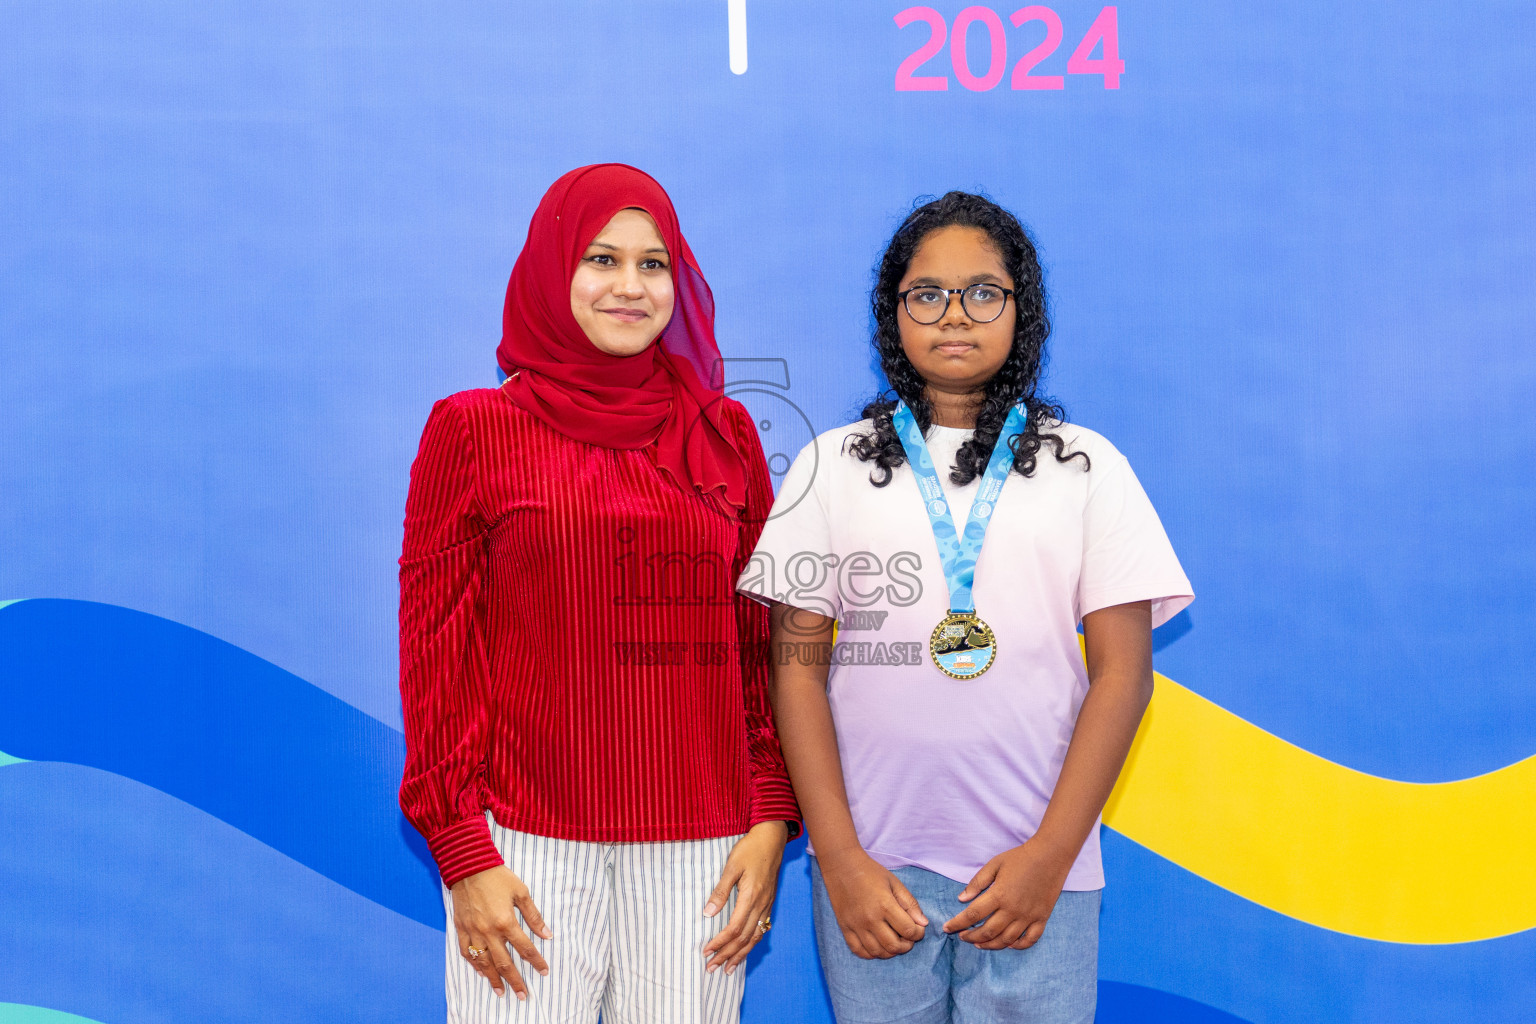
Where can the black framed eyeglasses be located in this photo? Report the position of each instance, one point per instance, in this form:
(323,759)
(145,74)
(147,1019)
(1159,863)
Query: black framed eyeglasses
(982,302)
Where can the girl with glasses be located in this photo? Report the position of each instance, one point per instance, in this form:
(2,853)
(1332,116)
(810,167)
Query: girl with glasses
(590,755)
(950,748)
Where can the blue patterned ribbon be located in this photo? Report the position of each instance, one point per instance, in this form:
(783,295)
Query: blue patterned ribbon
(958,554)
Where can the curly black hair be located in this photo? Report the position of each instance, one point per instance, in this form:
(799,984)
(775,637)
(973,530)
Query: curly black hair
(1015,382)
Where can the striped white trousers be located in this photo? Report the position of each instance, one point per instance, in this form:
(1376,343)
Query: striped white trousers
(629,934)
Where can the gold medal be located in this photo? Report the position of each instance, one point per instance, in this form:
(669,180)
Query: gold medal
(962,646)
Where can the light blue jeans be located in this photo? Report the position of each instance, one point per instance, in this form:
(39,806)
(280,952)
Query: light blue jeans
(945,979)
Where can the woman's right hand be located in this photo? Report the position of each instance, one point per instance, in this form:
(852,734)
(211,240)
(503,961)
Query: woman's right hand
(484,915)
(878,916)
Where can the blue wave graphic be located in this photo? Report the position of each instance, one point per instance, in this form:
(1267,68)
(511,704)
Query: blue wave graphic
(124,905)
(16,1013)
(1120,1003)
(218,727)
(171,712)
(1168,929)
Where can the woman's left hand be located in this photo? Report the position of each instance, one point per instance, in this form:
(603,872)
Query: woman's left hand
(752,870)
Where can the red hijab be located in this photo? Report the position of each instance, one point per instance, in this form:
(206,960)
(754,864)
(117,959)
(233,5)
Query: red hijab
(665,399)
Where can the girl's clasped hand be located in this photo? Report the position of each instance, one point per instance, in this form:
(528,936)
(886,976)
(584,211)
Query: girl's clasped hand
(1010,900)
(879,918)
(1011,897)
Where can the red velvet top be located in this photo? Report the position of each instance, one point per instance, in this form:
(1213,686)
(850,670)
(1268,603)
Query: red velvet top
(573,655)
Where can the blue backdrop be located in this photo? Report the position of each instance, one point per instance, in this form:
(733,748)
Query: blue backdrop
(245,246)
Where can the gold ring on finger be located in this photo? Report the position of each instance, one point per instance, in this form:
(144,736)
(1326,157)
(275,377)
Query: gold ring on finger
(765,924)
(474,952)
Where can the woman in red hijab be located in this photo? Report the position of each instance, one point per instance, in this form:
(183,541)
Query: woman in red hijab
(589,749)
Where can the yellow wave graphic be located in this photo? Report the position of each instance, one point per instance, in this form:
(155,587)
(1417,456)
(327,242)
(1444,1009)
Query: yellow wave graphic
(1314,840)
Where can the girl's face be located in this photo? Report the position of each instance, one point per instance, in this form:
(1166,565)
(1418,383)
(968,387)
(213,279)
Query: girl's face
(621,293)
(956,354)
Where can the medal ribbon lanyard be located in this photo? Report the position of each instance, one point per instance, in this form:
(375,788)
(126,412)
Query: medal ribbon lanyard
(958,553)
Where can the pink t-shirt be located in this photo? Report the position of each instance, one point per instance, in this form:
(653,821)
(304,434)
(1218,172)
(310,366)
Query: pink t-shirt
(942,773)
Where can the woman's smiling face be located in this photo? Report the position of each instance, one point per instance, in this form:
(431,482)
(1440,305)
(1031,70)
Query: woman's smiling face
(621,293)
(956,355)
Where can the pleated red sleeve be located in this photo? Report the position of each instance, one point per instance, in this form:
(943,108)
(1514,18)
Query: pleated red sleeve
(770,795)
(444,671)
